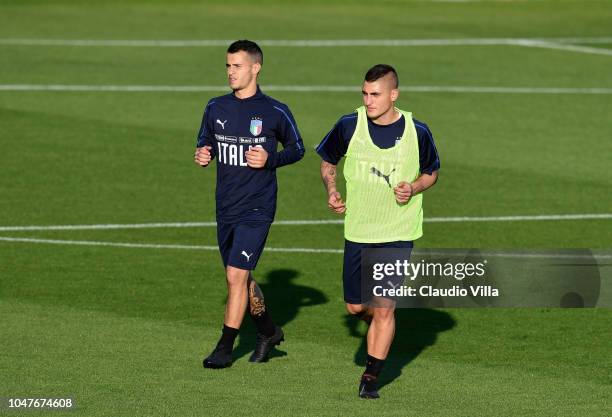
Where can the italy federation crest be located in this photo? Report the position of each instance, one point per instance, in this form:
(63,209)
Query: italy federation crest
(256,127)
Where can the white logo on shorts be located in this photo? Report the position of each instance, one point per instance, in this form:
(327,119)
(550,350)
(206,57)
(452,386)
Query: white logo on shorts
(246,255)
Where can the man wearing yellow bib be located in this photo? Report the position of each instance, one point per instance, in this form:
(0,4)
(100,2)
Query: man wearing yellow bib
(390,159)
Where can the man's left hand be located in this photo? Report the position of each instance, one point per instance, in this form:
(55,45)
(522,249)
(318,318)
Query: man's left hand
(256,157)
(403,192)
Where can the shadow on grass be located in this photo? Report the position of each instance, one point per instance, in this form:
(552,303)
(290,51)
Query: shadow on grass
(415,330)
(284,299)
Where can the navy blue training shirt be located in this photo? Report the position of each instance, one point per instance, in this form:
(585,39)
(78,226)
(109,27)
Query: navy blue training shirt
(230,126)
(334,146)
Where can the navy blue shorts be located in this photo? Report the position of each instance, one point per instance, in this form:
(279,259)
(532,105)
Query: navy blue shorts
(242,243)
(351,271)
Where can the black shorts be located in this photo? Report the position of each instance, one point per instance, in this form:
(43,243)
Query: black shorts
(242,243)
(351,272)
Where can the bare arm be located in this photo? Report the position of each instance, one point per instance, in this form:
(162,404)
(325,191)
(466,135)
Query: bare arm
(423,182)
(404,190)
(328,175)
(334,200)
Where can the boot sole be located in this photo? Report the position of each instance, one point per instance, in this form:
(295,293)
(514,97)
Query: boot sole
(210,365)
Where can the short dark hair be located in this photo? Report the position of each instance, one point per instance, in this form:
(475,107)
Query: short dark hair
(379,71)
(249,47)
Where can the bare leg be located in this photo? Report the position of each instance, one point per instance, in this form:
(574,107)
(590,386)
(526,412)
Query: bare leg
(360,310)
(235,307)
(381,332)
(237,296)
(379,338)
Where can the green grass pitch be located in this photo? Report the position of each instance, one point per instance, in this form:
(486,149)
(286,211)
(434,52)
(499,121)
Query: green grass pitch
(122,330)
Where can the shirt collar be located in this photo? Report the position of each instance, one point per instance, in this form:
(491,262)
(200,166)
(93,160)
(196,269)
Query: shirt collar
(258,94)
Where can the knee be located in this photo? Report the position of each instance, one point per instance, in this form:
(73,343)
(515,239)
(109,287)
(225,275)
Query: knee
(236,278)
(384,315)
(354,309)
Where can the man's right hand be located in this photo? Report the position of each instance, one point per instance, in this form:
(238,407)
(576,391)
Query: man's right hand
(202,156)
(335,203)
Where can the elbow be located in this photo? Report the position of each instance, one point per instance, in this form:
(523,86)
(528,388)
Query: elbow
(434,177)
(300,153)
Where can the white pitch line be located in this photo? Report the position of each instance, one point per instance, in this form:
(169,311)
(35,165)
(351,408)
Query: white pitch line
(153,225)
(519,255)
(564,47)
(286,250)
(544,217)
(113,88)
(153,245)
(561,43)
(540,217)
(311,43)
(302,89)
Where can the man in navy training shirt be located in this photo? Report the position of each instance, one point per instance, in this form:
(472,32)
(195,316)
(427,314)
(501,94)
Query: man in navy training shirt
(241,130)
(378,133)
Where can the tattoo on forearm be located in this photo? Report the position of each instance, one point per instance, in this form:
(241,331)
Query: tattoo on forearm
(328,175)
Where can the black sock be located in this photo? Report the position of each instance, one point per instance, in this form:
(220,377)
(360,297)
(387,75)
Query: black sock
(373,366)
(264,323)
(228,336)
